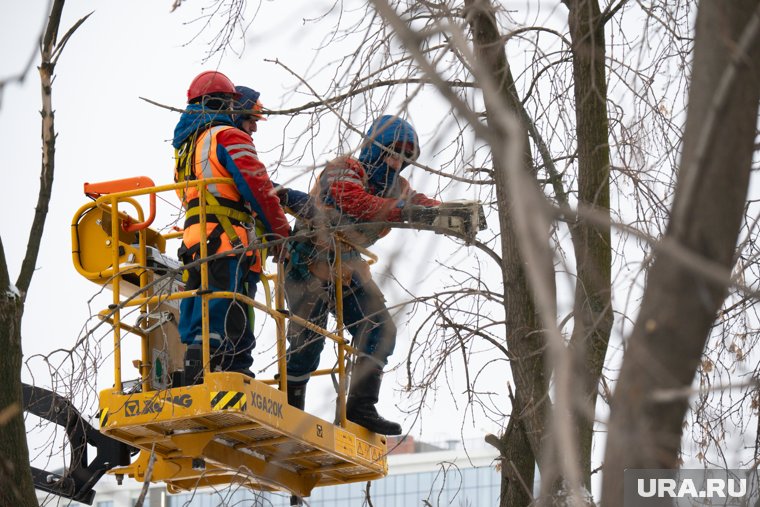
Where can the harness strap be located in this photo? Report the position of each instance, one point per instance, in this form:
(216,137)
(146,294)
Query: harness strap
(222,201)
(184,155)
(219,213)
(218,209)
(189,254)
(213,212)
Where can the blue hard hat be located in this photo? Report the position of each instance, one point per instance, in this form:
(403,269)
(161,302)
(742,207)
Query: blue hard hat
(248,98)
(248,104)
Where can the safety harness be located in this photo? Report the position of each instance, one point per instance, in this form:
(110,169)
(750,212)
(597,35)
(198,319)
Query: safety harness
(224,212)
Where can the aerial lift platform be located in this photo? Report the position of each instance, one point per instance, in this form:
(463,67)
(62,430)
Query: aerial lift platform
(231,428)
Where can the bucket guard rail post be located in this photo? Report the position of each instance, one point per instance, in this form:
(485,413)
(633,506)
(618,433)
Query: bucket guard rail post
(279,297)
(341,343)
(116,295)
(116,222)
(204,291)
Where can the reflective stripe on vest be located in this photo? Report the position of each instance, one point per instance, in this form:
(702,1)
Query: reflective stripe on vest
(207,165)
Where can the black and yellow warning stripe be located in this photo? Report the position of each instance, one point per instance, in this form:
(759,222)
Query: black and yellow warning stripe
(103,417)
(225,400)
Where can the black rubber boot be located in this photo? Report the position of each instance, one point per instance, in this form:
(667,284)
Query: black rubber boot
(366,379)
(297,395)
(193,373)
(245,371)
(193,365)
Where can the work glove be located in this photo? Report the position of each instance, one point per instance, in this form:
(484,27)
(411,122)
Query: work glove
(278,252)
(298,203)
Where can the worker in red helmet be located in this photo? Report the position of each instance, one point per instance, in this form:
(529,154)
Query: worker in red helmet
(208,145)
(209,83)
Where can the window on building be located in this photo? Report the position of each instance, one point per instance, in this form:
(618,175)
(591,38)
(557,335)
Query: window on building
(450,487)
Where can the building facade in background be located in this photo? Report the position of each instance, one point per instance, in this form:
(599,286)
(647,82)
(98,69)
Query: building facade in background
(417,473)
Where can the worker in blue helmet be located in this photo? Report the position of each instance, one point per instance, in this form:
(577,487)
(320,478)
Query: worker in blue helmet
(367,195)
(250,108)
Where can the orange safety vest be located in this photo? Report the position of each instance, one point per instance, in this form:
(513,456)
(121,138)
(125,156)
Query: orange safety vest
(226,211)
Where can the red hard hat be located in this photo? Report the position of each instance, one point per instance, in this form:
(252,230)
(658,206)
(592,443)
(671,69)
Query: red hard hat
(208,82)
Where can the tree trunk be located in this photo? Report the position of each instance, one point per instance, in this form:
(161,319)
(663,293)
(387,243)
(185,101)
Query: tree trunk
(680,302)
(519,463)
(16,484)
(592,314)
(525,337)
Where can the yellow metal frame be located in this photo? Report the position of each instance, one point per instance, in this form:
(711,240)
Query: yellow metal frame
(231,428)
(238,429)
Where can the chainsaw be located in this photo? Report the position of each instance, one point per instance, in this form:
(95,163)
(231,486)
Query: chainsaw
(463,217)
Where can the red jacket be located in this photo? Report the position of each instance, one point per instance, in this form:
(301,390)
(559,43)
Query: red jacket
(344,184)
(257,188)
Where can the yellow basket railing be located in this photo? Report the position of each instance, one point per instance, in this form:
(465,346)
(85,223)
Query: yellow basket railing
(108,196)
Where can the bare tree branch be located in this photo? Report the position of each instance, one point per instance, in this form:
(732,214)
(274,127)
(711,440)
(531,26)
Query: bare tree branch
(50,52)
(21,76)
